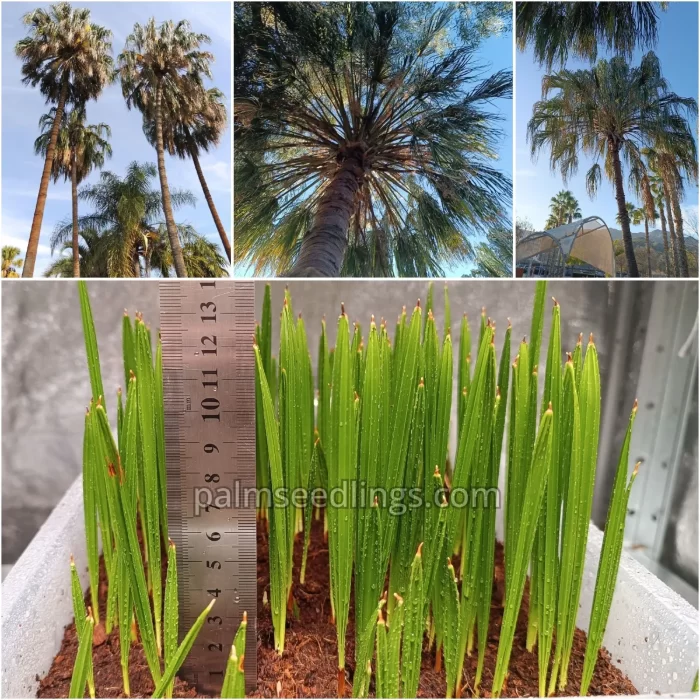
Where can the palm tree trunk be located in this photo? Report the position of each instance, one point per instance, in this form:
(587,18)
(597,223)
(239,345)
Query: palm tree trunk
(35,231)
(680,238)
(672,231)
(632,269)
(324,245)
(662,216)
(178,259)
(74,203)
(207,195)
(646,233)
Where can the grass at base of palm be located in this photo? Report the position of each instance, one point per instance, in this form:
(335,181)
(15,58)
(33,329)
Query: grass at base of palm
(346,142)
(68,57)
(573,117)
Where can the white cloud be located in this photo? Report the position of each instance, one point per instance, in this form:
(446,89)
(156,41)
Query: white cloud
(218,175)
(15,232)
(54,194)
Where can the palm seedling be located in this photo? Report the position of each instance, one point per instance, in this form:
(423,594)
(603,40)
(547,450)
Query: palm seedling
(124,487)
(402,388)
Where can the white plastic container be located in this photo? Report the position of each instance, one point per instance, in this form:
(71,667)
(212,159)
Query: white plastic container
(652,632)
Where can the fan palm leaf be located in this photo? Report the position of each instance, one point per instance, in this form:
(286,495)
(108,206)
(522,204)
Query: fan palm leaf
(369,129)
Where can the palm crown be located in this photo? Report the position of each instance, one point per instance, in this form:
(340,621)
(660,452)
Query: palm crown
(609,112)
(89,143)
(126,215)
(379,124)
(65,49)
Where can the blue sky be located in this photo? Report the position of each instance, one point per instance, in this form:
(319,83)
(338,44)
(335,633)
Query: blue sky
(22,106)
(494,54)
(677,50)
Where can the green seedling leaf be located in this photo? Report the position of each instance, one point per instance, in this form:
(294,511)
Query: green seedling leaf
(610,554)
(534,493)
(183,650)
(234,680)
(80,615)
(342,472)
(90,511)
(414,625)
(170,629)
(279,555)
(83,664)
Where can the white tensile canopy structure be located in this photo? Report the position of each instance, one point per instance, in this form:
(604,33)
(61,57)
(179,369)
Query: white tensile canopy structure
(583,248)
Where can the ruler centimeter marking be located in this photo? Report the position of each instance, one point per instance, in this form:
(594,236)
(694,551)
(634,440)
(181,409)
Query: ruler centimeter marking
(206,330)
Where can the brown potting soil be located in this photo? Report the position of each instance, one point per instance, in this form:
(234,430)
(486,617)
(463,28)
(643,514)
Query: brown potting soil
(308,667)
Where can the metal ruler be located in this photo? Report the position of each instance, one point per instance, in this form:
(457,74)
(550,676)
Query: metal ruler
(209,395)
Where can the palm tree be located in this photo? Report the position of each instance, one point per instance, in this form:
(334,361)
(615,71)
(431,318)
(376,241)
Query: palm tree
(69,59)
(657,190)
(126,218)
(11,262)
(641,183)
(609,112)
(161,60)
(564,208)
(674,159)
(367,140)
(79,149)
(202,257)
(555,29)
(186,133)
(494,257)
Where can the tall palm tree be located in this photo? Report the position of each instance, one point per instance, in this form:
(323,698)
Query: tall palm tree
(69,59)
(640,182)
(657,189)
(556,29)
(189,130)
(609,112)
(127,215)
(159,60)
(674,159)
(368,137)
(11,262)
(79,149)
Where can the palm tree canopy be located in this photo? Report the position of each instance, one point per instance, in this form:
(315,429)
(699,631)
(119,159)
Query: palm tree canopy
(564,208)
(367,83)
(65,48)
(127,213)
(89,142)
(166,56)
(611,106)
(196,124)
(556,29)
(11,262)
(494,257)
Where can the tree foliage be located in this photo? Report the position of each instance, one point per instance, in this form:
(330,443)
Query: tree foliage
(382,84)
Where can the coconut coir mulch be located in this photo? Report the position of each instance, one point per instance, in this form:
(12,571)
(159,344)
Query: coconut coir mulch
(308,667)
